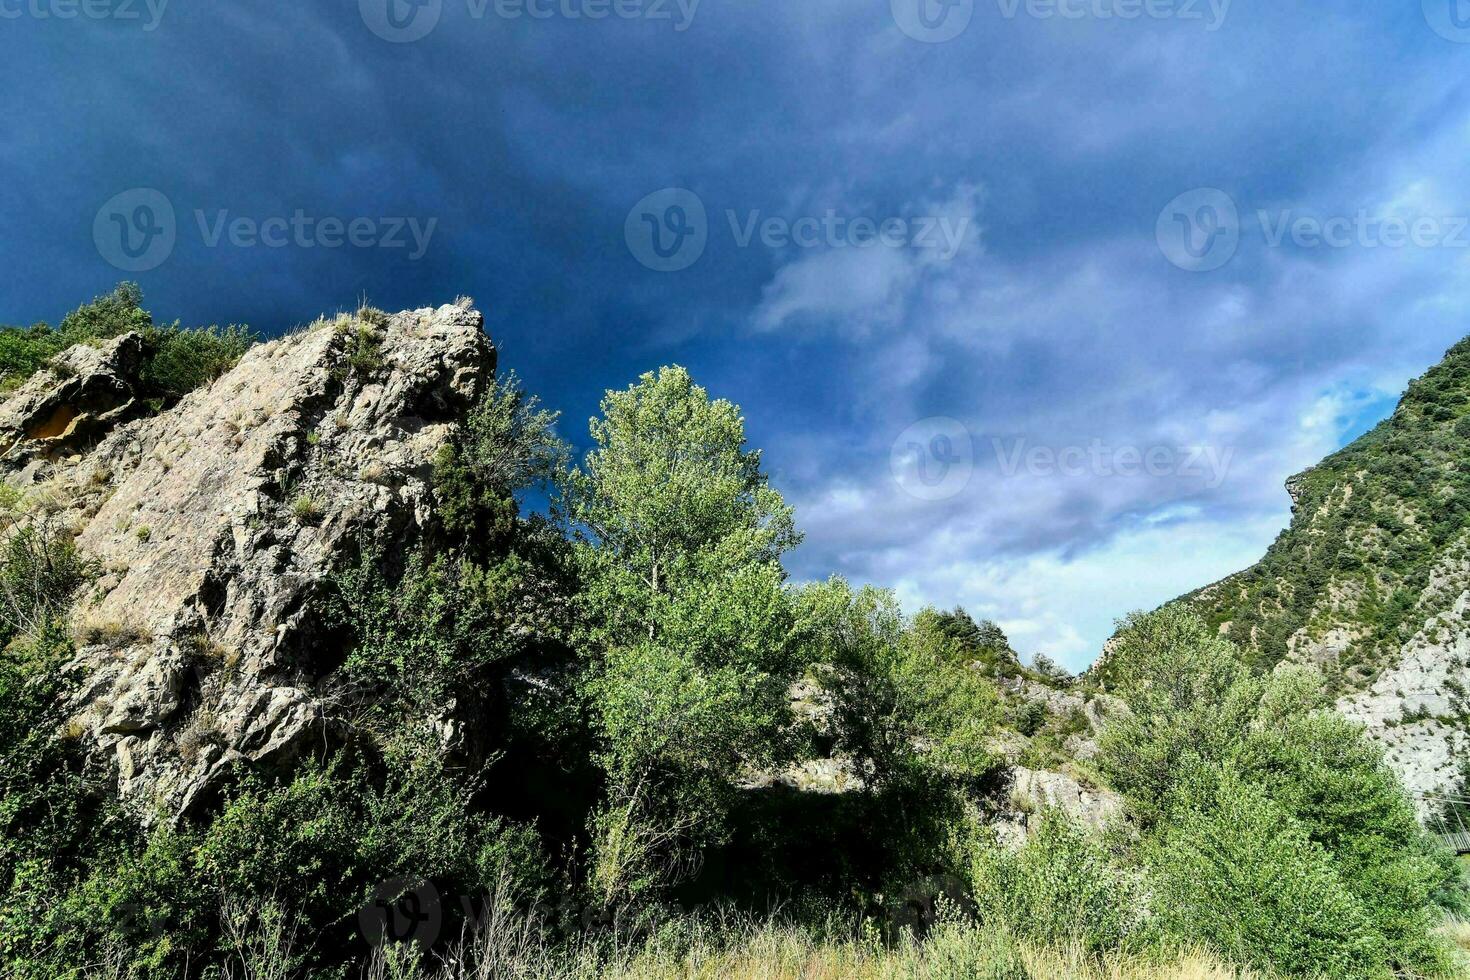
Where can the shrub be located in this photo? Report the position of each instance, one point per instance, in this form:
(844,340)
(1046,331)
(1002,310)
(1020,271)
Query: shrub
(1062,886)
(40,570)
(1234,871)
(178,359)
(187,359)
(1210,747)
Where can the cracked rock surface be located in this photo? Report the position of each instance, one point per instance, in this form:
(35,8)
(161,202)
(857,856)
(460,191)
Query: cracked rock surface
(214,526)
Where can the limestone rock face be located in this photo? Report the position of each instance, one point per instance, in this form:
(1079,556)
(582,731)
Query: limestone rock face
(215,525)
(1035,791)
(82,394)
(1416,708)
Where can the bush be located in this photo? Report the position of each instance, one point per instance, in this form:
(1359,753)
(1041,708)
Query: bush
(1232,870)
(183,360)
(1230,770)
(178,359)
(1062,886)
(40,570)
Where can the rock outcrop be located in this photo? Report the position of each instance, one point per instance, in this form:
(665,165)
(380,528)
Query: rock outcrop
(1033,792)
(214,526)
(1371,582)
(81,395)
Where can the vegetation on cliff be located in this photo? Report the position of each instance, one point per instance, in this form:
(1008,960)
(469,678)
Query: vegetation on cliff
(563,744)
(1373,523)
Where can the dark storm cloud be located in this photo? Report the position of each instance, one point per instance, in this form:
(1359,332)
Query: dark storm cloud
(1059,323)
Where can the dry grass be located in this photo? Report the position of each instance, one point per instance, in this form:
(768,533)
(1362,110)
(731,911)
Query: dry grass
(508,947)
(94,630)
(1458,932)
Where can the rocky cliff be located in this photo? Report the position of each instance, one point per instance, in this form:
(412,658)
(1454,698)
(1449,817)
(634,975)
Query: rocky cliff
(212,526)
(1371,582)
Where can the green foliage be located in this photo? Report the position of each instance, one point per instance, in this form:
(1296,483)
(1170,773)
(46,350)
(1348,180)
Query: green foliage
(684,602)
(1370,523)
(1225,768)
(672,500)
(507,444)
(1061,886)
(183,360)
(365,349)
(57,825)
(40,570)
(967,641)
(629,694)
(431,633)
(178,359)
(1235,871)
(24,351)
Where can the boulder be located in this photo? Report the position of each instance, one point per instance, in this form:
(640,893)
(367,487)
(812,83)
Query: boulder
(216,524)
(83,393)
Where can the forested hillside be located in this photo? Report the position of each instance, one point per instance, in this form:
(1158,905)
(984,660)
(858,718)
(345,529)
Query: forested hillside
(295,685)
(1370,582)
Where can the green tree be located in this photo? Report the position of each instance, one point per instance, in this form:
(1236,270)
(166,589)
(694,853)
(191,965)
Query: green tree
(1262,804)
(687,614)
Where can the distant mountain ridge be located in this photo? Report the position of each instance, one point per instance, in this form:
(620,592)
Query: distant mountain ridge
(1371,582)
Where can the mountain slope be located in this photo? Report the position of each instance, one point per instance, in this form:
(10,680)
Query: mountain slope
(1371,582)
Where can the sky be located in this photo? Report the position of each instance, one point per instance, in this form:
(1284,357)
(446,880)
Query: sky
(1031,305)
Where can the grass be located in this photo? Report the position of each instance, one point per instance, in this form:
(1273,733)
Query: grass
(730,948)
(306,509)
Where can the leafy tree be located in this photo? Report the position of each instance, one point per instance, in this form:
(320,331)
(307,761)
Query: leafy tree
(507,444)
(1235,871)
(905,702)
(1225,767)
(686,609)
